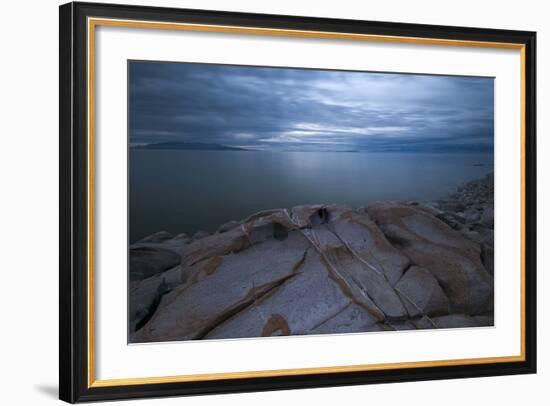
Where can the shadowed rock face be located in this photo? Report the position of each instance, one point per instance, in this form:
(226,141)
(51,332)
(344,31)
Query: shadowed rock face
(145,295)
(430,243)
(317,269)
(422,294)
(147,261)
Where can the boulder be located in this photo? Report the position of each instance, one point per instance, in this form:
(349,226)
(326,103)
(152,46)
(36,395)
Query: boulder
(473,214)
(145,295)
(421,293)
(362,237)
(351,319)
(232,283)
(430,243)
(217,244)
(146,261)
(315,269)
(275,225)
(464,280)
(365,282)
(304,216)
(288,309)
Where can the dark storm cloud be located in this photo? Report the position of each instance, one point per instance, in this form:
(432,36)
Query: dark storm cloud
(298,109)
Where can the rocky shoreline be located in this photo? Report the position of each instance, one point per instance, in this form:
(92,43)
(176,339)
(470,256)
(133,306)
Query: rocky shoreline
(319,269)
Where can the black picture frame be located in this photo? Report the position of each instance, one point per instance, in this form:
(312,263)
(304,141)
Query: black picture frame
(74,384)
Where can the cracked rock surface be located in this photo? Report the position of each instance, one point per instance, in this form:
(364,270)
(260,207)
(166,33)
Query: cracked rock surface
(320,269)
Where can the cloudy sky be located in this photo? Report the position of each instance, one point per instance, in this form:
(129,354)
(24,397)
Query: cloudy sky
(309,110)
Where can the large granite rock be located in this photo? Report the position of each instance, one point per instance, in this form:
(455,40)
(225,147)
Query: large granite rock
(316,269)
(430,243)
(229,284)
(351,319)
(364,281)
(214,245)
(360,235)
(297,306)
(421,293)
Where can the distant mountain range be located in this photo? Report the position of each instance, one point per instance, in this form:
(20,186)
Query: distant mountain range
(203,146)
(189,145)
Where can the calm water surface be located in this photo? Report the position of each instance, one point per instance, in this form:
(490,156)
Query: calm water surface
(186,191)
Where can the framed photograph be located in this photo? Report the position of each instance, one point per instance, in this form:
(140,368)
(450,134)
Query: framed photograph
(255,202)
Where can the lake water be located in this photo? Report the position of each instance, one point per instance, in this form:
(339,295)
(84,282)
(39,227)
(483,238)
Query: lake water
(186,191)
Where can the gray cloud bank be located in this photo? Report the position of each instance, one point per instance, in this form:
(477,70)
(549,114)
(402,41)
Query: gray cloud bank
(309,110)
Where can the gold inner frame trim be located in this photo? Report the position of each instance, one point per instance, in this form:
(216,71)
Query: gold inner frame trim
(94,22)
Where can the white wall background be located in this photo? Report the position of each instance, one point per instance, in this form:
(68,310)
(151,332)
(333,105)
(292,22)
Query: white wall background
(29,189)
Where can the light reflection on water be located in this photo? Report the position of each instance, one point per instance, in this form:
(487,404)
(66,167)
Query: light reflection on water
(186,191)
